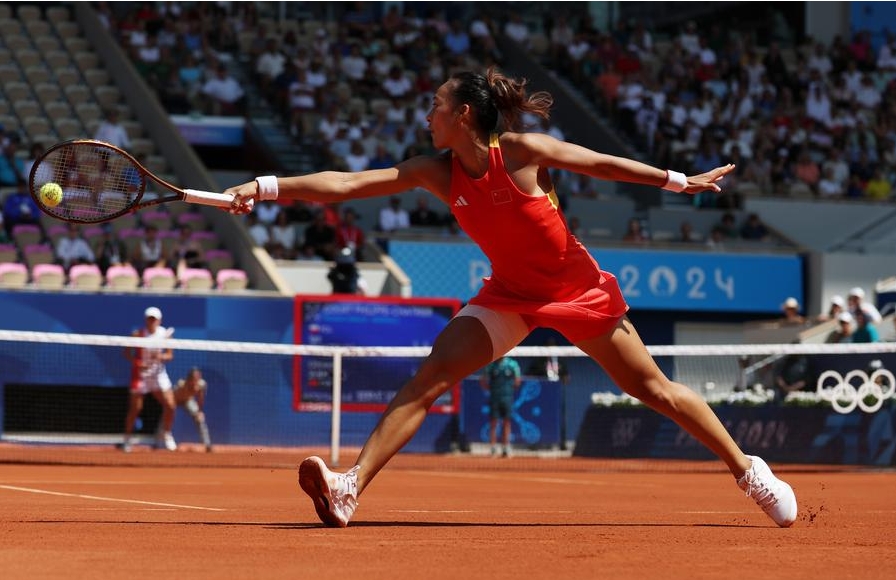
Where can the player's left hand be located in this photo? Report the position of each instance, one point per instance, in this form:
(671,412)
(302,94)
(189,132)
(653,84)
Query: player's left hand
(709,180)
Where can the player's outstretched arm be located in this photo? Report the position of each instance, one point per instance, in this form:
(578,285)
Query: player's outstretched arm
(336,186)
(547,151)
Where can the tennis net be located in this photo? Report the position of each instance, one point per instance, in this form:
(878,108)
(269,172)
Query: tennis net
(65,397)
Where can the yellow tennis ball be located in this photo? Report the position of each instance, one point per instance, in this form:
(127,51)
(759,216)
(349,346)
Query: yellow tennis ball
(50,194)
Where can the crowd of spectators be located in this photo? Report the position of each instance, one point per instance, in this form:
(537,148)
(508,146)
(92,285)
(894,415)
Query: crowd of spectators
(811,120)
(816,120)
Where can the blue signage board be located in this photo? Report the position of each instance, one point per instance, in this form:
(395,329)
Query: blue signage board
(650,279)
(368,383)
(535,417)
(214,131)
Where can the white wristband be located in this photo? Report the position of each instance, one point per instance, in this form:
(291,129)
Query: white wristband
(267,187)
(675,181)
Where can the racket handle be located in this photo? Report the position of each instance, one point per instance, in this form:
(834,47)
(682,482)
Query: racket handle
(207,198)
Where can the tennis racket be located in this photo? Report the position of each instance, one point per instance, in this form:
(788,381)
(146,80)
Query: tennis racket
(101,182)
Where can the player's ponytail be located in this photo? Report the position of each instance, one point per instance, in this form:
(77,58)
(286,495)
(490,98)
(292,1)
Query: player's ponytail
(498,100)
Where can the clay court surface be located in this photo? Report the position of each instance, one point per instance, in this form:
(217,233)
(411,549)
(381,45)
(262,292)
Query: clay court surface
(238,513)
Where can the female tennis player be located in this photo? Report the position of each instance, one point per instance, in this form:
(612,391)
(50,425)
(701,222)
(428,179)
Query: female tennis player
(497,185)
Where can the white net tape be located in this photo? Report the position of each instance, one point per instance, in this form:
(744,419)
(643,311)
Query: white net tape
(406,351)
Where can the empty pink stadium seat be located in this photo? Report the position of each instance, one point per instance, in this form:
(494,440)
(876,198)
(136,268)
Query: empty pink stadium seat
(218,260)
(193,219)
(57,231)
(122,276)
(13,275)
(195,279)
(27,234)
(48,275)
(85,276)
(161,219)
(9,253)
(38,254)
(231,279)
(208,240)
(159,277)
(92,233)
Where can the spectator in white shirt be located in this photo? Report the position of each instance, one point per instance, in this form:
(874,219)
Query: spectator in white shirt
(394,217)
(820,61)
(828,186)
(223,93)
(112,132)
(886,56)
(357,159)
(856,302)
(354,65)
(818,105)
(271,63)
(517,30)
(258,230)
(397,84)
(867,95)
(267,212)
(74,249)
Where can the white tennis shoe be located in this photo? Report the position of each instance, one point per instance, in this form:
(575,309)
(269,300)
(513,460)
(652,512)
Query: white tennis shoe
(335,495)
(168,442)
(774,496)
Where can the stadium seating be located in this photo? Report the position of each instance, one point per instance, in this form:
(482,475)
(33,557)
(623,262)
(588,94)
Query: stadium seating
(208,240)
(231,279)
(122,277)
(160,278)
(26,234)
(8,253)
(194,219)
(160,219)
(85,277)
(92,234)
(56,232)
(13,275)
(48,276)
(218,260)
(38,254)
(195,279)
(126,221)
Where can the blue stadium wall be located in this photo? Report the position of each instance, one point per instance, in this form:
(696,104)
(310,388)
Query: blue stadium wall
(252,403)
(249,403)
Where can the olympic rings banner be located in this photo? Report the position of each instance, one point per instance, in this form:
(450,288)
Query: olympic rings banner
(856,389)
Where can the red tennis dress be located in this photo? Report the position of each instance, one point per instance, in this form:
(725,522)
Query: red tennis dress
(539,269)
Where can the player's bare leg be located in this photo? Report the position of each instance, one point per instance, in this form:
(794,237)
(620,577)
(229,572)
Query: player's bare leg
(505,437)
(135,405)
(462,348)
(166,400)
(625,358)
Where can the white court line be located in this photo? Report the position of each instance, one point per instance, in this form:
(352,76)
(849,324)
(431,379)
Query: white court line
(529,478)
(432,511)
(701,512)
(100,498)
(112,482)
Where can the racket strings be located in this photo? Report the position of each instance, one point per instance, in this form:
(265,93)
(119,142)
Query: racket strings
(97,182)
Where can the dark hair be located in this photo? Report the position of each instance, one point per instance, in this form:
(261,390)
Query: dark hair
(497,99)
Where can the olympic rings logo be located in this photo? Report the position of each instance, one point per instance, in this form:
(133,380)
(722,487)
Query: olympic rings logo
(855,389)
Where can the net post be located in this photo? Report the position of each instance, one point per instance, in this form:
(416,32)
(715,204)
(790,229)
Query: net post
(335,422)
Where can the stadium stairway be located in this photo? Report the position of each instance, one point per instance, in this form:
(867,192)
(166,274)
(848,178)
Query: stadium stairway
(271,129)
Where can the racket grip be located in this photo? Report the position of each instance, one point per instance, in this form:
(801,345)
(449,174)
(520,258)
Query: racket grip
(207,198)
